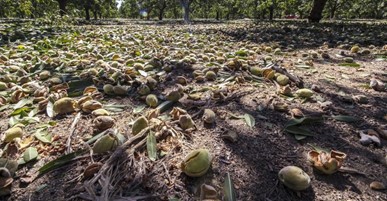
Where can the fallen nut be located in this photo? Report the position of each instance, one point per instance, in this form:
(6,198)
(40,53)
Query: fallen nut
(151,100)
(105,143)
(208,192)
(12,133)
(209,116)
(139,124)
(102,123)
(375,185)
(65,105)
(196,163)
(186,122)
(294,178)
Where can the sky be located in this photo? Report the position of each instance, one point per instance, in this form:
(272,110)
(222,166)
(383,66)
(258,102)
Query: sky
(119,3)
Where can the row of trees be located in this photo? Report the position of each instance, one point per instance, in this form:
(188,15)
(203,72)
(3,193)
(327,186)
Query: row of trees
(314,10)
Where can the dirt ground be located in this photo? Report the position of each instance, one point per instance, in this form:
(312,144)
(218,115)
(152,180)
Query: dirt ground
(260,152)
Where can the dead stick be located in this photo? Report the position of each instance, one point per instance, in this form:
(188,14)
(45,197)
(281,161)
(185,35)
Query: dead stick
(72,131)
(295,79)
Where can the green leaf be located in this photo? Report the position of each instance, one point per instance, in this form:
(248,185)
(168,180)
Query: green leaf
(22,111)
(355,65)
(345,118)
(229,190)
(43,135)
(60,161)
(151,146)
(250,121)
(298,131)
(138,109)
(96,137)
(115,108)
(303,121)
(22,103)
(300,137)
(31,153)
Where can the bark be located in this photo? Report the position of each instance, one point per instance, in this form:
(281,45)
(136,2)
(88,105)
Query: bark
(62,7)
(87,12)
(95,15)
(186,8)
(317,9)
(271,12)
(333,10)
(217,15)
(162,7)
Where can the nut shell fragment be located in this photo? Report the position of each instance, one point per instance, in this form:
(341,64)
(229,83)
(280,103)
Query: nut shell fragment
(327,163)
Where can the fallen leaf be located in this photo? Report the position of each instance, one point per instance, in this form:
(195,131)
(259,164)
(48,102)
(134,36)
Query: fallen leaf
(229,190)
(151,146)
(250,121)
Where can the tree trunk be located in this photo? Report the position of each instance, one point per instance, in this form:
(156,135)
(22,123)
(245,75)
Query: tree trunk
(317,9)
(87,11)
(217,15)
(271,12)
(162,9)
(62,7)
(186,4)
(95,15)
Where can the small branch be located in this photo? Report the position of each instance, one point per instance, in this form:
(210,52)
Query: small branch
(72,131)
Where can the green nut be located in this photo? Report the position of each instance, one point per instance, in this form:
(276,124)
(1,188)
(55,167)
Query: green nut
(143,90)
(44,75)
(210,75)
(108,89)
(65,105)
(256,71)
(139,125)
(3,86)
(105,143)
(196,163)
(12,133)
(151,100)
(304,93)
(186,122)
(294,178)
(173,96)
(100,112)
(282,80)
(355,49)
(120,90)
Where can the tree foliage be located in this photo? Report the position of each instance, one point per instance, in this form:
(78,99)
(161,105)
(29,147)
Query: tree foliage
(194,9)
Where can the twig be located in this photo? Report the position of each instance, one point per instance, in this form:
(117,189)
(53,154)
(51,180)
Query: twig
(72,131)
(299,83)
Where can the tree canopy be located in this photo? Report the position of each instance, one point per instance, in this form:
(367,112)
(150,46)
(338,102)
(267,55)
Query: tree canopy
(191,9)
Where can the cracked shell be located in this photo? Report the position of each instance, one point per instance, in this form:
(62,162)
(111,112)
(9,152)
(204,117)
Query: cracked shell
(294,178)
(196,163)
(91,105)
(102,123)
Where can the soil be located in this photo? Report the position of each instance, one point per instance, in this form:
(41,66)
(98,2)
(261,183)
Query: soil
(254,160)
